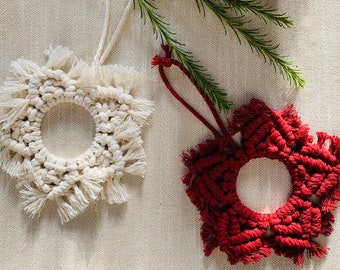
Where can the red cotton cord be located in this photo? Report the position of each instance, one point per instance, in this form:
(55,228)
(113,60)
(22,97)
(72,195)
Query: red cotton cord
(212,170)
(167,61)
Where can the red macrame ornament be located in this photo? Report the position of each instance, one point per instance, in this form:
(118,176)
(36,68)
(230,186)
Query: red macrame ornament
(213,166)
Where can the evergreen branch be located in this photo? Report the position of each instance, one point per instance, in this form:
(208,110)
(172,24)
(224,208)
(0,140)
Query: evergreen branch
(266,48)
(257,41)
(197,72)
(266,12)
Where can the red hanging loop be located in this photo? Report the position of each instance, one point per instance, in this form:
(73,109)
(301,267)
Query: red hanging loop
(167,61)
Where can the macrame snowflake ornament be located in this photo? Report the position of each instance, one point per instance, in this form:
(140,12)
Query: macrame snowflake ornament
(213,167)
(248,236)
(105,92)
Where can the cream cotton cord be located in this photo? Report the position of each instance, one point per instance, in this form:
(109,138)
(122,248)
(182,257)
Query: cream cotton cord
(105,91)
(101,56)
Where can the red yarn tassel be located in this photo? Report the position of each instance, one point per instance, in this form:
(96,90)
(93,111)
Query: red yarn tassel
(317,251)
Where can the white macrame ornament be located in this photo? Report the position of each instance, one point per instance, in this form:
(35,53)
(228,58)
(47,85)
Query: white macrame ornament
(105,92)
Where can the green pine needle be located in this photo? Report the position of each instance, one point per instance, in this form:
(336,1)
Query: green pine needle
(197,72)
(254,37)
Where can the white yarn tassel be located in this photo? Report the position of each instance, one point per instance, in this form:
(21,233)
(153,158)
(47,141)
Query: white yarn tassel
(65,210)
(71,204)
(119,76)
(116,191)
(78,200)
(141,109)
(16,109)
(74,199)
(134,157)
(83,75)
(13,165)
(127,130)
(4,157)
(23,69)
(13,93)
(136,168)
(34,200)
(91,183)
(59,57)
(129,133)
(11,88)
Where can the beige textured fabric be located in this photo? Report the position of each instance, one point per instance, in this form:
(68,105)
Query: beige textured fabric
(159,228)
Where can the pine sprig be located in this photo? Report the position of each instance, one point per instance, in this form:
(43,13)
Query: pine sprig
(197,72)
(254,37)
(231,13)
(266,48)
(266,12)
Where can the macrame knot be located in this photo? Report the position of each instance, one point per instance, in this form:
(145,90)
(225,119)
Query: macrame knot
(165,61)
(161,61)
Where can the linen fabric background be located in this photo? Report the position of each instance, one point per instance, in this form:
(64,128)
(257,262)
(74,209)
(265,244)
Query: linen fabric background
(159,228)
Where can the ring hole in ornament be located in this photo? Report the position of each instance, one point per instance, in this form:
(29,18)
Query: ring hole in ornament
(263,185)
(67,130)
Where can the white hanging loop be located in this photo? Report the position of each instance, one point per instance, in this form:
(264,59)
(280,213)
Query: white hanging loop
(101,56)
(104,33)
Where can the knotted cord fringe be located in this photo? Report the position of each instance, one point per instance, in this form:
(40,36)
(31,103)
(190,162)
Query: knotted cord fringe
(213,166)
